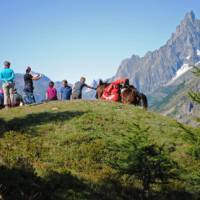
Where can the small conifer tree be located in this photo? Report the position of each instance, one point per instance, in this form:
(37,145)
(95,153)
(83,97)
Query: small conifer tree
(195,96)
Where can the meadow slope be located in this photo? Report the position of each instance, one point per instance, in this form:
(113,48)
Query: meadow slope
(96,150)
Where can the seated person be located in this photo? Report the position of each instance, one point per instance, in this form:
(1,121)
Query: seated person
(1,98)
(17,99)
(51,94)
(78,87)
(65,91)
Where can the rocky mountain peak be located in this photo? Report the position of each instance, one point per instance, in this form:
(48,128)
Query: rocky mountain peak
(188,24)
(189,17)
(157,68)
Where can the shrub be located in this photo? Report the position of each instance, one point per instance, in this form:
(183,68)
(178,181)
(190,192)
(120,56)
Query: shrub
(147,162)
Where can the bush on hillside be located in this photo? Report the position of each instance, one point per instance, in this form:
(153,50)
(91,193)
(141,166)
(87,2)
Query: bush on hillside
(147,162)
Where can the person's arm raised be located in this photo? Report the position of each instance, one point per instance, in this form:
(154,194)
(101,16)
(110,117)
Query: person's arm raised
(38,77)
(90,87)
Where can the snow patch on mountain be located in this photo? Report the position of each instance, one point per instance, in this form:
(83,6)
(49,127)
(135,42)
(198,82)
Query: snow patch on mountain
(188,57)
(198,52)
(184,68)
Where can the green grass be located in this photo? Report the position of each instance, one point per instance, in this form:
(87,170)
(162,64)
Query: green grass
(78,150)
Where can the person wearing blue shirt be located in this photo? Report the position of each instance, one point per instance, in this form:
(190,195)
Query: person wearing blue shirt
(65,91)
(7,76)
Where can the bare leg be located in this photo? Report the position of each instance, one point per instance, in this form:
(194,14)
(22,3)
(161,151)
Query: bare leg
(11,96)
(6,96)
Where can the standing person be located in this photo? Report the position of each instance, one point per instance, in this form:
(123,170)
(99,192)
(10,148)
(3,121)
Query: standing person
(51,94)
(78,87)
(28,86)
(65,91)
(7,75)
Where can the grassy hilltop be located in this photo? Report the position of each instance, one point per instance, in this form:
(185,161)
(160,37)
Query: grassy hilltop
(96,150)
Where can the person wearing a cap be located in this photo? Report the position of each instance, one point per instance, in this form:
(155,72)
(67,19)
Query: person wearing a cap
(28,86)
(7,76)
(78,87)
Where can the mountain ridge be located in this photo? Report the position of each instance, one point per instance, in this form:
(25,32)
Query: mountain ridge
(156,68)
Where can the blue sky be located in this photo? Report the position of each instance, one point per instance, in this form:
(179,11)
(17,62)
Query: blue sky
(66,39)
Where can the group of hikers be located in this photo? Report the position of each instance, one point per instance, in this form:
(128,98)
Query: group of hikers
(9,97)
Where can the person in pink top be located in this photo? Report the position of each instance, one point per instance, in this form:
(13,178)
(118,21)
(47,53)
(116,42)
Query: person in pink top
(51,94)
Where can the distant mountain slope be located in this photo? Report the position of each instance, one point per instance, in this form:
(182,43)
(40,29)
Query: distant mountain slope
(173,99)
(165,74)
(157,68)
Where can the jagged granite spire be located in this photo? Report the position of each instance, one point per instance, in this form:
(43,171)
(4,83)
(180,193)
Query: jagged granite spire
(190,16)
(189,20)
(156,68)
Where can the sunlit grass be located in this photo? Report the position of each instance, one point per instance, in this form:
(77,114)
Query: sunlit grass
(82,138)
